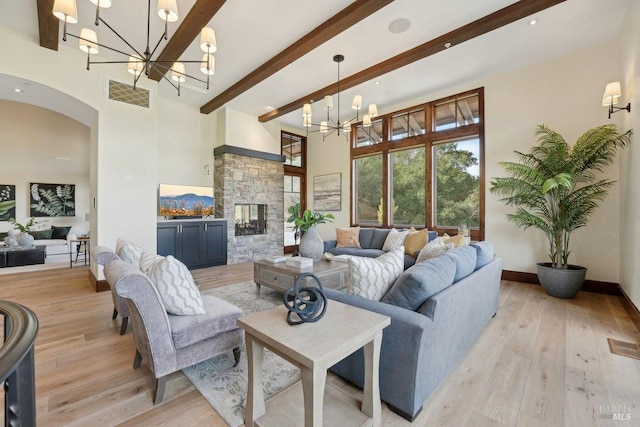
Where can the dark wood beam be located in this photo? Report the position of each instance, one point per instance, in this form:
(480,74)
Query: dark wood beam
(460,35)
(48,25)
(198,17)
(352,14)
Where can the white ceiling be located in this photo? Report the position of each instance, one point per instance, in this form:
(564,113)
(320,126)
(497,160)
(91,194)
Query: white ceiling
(249,32)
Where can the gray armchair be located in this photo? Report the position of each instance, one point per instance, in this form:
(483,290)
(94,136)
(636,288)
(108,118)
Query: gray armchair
(103,256)
(166,342)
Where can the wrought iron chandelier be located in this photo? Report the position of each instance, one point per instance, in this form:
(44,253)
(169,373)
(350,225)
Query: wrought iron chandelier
(139,63)
(329,126)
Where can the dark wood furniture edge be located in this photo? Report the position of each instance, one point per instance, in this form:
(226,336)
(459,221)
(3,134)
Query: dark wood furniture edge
(631,309)
(596,286)
(100,285)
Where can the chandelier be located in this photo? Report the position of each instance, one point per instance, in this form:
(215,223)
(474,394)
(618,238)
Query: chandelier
(329,126)
(139,63)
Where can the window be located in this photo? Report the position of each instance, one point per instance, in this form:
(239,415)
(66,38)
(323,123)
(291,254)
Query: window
(422,167)
(368,200)
(294,150)
(407,187)
(457,192)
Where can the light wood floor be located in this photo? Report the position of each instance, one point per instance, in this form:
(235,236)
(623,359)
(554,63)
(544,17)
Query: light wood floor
(540,362)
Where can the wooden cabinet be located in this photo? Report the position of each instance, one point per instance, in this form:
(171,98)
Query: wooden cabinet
(196,243)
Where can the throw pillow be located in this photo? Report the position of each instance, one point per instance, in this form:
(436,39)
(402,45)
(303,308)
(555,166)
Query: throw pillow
(59,232)
(130,253)
(433,252)
(457,240)
(371,278)
(415,241)
(42,234)
(147,259)
(348,237)
(394,240)
(175,285)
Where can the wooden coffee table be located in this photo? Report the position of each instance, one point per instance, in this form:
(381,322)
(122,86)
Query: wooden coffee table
(314,347)
(280,276)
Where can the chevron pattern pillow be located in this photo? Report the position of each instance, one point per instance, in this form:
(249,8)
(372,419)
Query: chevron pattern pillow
(371,278)
(129,252)
(147,259)
(394,240)
(176,287)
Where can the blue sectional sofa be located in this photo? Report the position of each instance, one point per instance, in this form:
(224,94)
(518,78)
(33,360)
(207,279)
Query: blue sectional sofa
(438,308)
(371,243)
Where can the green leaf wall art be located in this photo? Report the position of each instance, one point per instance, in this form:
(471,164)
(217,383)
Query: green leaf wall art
(52,200)
(7,202)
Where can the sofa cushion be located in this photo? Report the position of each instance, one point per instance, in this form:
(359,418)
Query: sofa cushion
(394,240)
(485,253)
(220,317)
(366,234)
(176,287)
(465,258)
(60,232)
(372,277)
(420,282)
(415,241)
(348,237)
(42,234)
(378,238)
(147,259)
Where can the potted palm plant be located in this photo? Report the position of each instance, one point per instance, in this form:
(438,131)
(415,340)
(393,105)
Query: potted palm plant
(555,189)
(311,244)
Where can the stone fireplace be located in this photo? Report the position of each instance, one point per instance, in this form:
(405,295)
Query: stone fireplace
(243,176)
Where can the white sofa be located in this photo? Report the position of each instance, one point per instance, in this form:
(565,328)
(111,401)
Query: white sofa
(55,246)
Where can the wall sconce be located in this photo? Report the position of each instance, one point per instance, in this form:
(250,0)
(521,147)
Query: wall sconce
(611,96)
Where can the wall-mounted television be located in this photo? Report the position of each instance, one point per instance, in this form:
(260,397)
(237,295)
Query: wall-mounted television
(183,201)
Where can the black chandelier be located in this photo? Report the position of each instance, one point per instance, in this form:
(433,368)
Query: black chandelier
(140,63)
(329,126)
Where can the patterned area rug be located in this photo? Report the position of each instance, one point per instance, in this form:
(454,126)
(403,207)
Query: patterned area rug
(224,386)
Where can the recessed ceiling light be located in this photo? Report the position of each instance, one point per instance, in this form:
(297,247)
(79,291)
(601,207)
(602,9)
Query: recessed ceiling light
(534,21)
(269,107)
(62,158)
(447,45)
(377,82)
(17,89)
(399,25)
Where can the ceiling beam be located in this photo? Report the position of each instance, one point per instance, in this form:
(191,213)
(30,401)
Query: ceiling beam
(47,24)
(488,23)
(347,17)
(198,17)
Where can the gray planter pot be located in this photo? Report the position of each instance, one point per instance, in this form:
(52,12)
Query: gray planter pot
(311,244)
(561,282)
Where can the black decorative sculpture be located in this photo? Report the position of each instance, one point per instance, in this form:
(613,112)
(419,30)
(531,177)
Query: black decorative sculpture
(308,303)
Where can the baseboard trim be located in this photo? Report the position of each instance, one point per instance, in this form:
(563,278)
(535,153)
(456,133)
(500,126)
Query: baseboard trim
(596,286)
(631,309)
(100,285)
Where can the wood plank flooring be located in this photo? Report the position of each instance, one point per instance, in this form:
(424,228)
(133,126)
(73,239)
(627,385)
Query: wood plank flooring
(541,361)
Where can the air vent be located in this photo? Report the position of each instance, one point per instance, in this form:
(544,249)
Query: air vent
(123,92)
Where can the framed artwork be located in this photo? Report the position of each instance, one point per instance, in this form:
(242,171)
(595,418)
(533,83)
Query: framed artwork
(52,199)
(327,192)
(7,202)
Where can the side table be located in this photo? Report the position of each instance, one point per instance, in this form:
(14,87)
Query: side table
(314,347)
(79,243)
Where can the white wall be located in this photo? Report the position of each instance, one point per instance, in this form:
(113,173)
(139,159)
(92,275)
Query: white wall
(565,94)
(629,171)
(31,139)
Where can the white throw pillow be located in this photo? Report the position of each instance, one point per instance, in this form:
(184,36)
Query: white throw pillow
(394,240)
(147,259)
(433,249)
(176,287)
(129,252)
(371,278)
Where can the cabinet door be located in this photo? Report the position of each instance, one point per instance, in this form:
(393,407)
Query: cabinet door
(168,239)
(216,243)
(191,242)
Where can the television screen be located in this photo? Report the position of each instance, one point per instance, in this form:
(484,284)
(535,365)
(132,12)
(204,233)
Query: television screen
(185,200)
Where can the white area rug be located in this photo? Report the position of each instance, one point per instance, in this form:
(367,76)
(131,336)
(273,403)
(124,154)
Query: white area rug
(224,386)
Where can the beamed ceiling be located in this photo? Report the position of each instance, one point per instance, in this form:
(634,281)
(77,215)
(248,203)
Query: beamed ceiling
(273,56)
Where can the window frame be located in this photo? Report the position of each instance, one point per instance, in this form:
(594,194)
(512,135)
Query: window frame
(427,140)
(295,171)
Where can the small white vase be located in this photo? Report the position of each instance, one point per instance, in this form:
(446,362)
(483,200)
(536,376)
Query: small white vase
(25,240)
(311,244)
